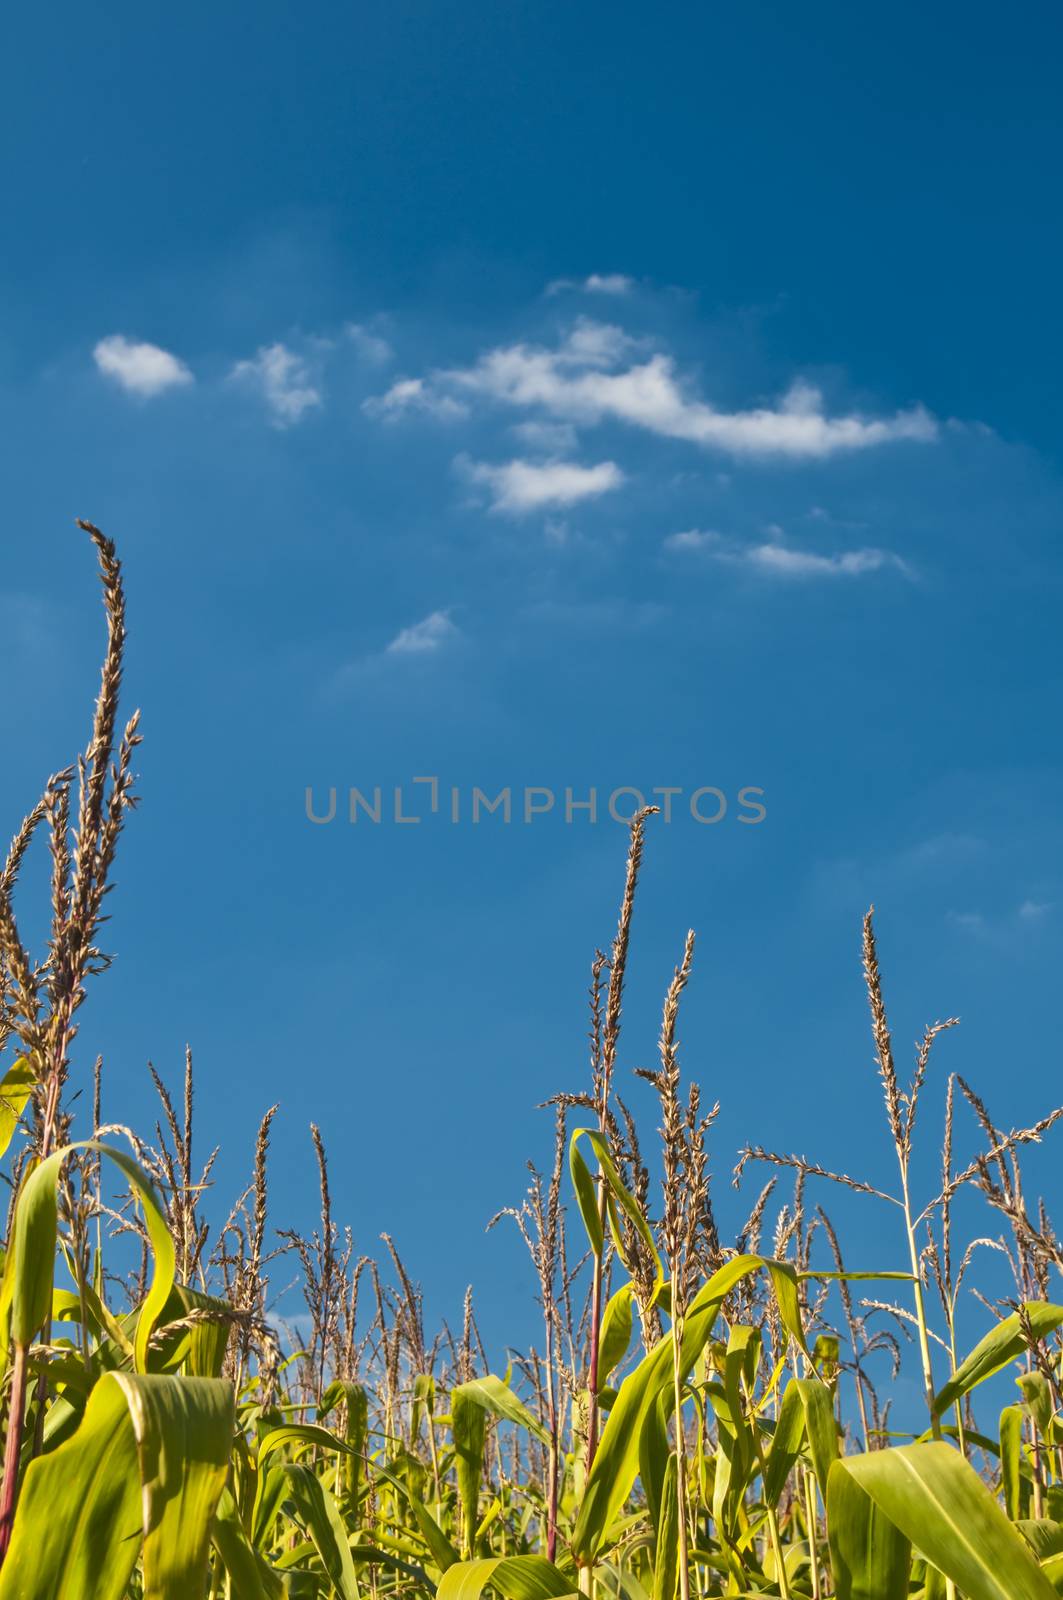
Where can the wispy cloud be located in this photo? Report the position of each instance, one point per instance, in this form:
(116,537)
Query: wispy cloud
(138,367)
(284,381)
(594,375)
(782,561)
(424,637)
(372,349)
(692,539)
(414,394)
(774,559)
(519,486)
(430,637)
(1002,926)
(616,283)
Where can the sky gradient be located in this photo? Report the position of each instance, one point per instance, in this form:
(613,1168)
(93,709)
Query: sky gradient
(528,395)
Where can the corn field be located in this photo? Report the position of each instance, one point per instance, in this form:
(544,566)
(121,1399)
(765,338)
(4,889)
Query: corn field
(697,1418)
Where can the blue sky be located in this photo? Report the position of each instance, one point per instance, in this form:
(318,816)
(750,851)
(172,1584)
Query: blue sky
(530,395)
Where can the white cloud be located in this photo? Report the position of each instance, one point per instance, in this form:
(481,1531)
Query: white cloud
(591,377)
(598,283)
(413,394)
(141,368)
(284,381)
(1034,910)
(423,637)
(593,344)
(782,561)
(692,539)
(373,350)
(521,486)
(777,560)
(609,283)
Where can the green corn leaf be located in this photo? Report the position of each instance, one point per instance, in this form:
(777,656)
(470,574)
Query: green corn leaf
(250,1577)
(15,1088)
(356,1431)
(316,1509)
(615,1336)
(936,1500)
(514,1577)
(1011,1460)
(1001,1345)
(101,1321)
(142,1476)
(200,1349)
(870,1557)
(587,1198)
(821,1429)
(1037,1398)
(440,1548)
(424,1403)
(468,1421)
(494,1396)
(269,1498)
(736,1457)
(30,1265)
(304,1433)
(786,1442)
(654,1449)
(1044,1537)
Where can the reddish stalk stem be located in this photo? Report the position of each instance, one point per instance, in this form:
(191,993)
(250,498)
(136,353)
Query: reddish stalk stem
(13,1447)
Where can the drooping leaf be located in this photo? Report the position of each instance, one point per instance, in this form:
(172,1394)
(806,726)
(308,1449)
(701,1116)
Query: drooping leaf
(142,1475)
(492,1395)
(199,1348)
(30,1265)
(618,1195)
(299,1433)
